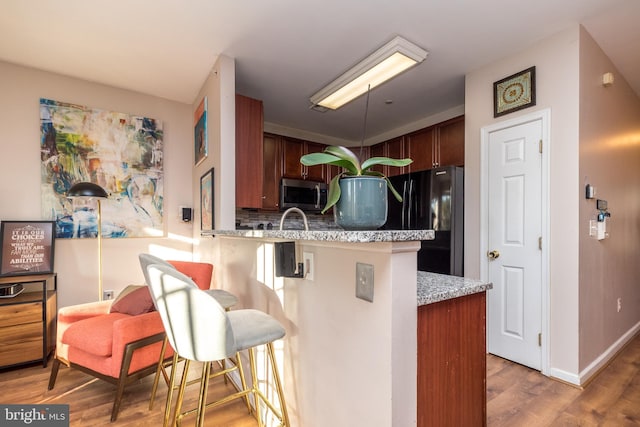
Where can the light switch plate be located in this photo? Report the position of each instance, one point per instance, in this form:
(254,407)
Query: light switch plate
(364,281)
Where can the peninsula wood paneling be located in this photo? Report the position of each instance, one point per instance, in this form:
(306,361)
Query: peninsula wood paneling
(452,362)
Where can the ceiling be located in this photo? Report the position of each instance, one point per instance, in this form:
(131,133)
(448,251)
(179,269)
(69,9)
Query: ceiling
(285,50)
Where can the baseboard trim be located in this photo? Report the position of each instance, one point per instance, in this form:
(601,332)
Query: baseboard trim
(587,374)
(603,360)
(565,376)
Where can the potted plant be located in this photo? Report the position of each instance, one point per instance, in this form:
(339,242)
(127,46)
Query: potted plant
(358,193)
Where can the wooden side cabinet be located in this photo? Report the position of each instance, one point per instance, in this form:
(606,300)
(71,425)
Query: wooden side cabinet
(28,320)
(249,152)
(452,362)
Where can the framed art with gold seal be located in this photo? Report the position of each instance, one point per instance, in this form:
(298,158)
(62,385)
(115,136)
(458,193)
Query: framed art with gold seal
(515,92)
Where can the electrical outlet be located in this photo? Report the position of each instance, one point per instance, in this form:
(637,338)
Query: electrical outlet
(619,304)
(364,281)
(107,294)
(309,268)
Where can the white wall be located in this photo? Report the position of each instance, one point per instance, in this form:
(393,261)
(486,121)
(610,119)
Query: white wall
(219,88)
(76,260)
(344,361)
(557,71)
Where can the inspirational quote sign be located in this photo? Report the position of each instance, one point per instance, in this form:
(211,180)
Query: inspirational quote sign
(27,247)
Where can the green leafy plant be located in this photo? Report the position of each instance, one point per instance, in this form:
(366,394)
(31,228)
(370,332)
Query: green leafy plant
(343,157)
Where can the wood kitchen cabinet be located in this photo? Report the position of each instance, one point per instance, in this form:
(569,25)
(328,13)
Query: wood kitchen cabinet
(450,142)
(272,172)
(393,148)
(28,320)
(281,159)
(434,146)
(420,148)
(249,152)
(438,145)
(292,150)
(378,150)
(452,362)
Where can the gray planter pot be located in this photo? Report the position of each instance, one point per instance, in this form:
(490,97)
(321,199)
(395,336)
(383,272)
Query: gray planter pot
(362,204)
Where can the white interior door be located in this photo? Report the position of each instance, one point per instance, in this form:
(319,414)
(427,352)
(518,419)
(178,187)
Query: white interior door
(514,236)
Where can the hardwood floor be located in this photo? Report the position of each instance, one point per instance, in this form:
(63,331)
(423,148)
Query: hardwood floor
(519,396)
(90,400)
(516,396)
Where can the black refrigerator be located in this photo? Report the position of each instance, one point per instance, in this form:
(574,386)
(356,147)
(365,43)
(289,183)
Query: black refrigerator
(432,200)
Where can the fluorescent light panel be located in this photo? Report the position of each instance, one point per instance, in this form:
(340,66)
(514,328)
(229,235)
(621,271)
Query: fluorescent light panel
(387,62)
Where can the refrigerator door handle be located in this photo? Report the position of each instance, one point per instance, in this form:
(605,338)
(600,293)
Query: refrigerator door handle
(410,204)
(317,190)
(404,203)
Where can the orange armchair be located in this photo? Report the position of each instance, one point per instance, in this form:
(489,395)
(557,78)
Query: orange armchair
(115,347)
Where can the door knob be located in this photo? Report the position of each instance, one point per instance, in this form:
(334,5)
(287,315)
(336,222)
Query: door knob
(493,254)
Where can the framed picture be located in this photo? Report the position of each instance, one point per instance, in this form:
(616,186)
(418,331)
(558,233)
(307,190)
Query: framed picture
(206,201)
(515,92)
(27,247)
(201,146)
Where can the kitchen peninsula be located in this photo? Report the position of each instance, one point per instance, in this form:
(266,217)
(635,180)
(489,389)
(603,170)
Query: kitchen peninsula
(347,361)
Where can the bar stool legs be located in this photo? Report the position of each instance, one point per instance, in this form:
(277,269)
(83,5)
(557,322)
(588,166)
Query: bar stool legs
(179,303)
(259,396)
(281,414)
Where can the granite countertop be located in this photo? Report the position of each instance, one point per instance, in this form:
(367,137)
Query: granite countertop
(434,287)
(330,235)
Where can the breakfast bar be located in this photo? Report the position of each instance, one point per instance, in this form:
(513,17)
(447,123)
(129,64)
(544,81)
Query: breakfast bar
(340,348)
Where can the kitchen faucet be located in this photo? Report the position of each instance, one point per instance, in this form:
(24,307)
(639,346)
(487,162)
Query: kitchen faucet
(304,217)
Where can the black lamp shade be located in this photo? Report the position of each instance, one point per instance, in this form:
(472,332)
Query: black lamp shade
(86,189)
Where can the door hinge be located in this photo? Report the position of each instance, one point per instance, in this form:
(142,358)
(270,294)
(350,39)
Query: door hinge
(540,340)
(540,146)
(540,243)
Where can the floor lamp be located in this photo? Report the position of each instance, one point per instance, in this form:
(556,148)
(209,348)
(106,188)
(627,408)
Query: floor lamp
(89,190)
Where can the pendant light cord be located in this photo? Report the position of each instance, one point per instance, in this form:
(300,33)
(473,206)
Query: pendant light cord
(364,125)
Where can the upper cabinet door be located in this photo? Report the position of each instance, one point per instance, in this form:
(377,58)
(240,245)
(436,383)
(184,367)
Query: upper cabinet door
(451,142)
(292,150)
(438,145)
(379,150)
(420,147)
(318,172)
(395,150)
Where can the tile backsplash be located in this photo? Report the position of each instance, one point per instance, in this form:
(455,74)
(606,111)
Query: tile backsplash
(258,220)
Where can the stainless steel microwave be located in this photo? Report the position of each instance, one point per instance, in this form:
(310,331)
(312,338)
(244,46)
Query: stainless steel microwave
(310,196)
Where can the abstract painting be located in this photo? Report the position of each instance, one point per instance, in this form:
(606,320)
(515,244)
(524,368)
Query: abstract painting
(120,152)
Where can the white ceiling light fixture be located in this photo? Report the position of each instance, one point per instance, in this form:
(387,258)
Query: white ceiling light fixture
(393,58)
